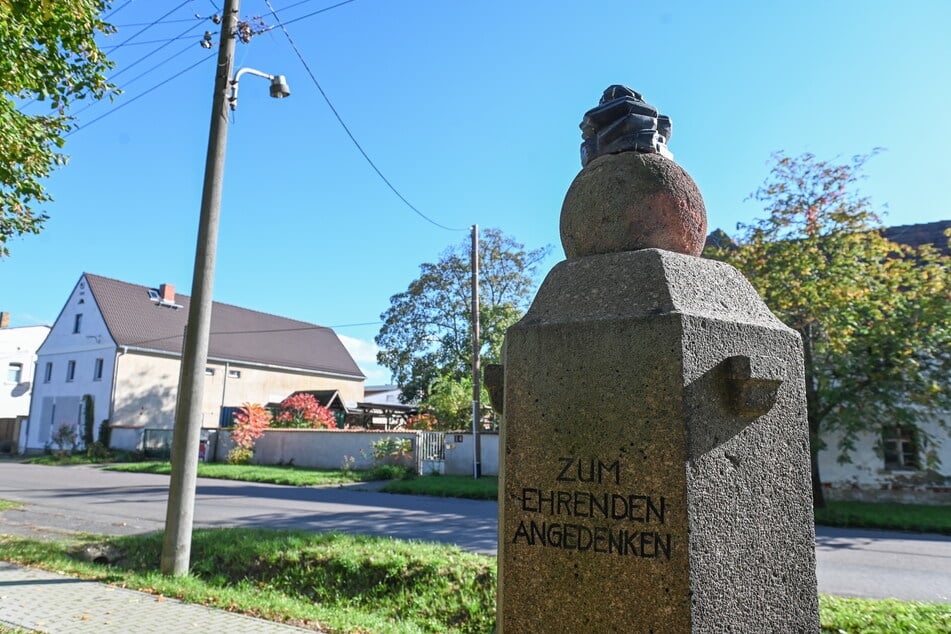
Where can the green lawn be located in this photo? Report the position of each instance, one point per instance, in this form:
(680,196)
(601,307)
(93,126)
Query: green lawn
(485,488)
(882,515)
(269,474)
(348,584)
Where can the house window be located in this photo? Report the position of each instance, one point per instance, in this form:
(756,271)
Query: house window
(48,372)
(234,374)
(70,370)
(97,371)
(77,323)
(900,445)
(15,372)
(209,372)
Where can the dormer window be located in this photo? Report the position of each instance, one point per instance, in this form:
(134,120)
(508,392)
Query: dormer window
(77,323)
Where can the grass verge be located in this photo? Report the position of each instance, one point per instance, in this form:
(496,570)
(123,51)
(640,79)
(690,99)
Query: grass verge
(6,505)
(888,616)
(355,585)
(335,582)
(484,488)
(887,516)
(268,474)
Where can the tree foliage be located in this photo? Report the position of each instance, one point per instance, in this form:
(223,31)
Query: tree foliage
(448,402)
(302,410)
(250,422)
(874,316)
(48,54)
(426,331)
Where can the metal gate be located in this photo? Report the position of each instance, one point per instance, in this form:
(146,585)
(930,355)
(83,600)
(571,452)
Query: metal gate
(430,452)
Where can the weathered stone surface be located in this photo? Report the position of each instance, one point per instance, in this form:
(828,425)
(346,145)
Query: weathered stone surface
(630,201)
(633,496)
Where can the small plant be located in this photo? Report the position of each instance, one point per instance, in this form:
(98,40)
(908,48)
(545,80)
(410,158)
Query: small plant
(97,452)
(347,465)
(391,450)
(65,438)
(239,455)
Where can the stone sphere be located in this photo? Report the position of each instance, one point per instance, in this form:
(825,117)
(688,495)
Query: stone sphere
(630,201)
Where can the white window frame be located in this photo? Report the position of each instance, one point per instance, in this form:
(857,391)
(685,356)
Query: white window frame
(70,371)
(14,373)
(97,369)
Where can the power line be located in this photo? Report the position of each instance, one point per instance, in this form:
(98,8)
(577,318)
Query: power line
(139,96)
(175,21)
(344,125)
(303,17)
(188,47)
(118,9)
(166,40)
(166,43)
(155,50)
(144,29)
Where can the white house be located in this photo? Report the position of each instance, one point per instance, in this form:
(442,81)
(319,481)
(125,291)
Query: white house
(17,362)
(120,344)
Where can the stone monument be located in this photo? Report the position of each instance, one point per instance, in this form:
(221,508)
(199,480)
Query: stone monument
(654,474)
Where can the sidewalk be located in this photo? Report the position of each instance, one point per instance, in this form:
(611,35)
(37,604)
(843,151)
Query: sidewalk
(33,599)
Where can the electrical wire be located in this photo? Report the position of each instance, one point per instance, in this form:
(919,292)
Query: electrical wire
(175,21)
(139,96)
(344,125)
(303,17)
(187,47)
(118,9)
(155,50)
(144,29)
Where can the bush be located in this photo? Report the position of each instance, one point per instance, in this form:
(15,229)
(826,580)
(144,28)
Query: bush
(88,422)
(391,450)
(105,433)
(390,472)
(303,411)
(65,438)
(240,455)
(249,425)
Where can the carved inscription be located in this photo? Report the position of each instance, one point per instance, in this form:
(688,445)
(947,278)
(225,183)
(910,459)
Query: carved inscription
(618,523)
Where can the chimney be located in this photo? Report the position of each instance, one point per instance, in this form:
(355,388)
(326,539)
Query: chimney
(167,292)
(4,320)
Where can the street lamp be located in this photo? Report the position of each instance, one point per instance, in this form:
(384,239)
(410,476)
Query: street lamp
(179,516)
(279,87)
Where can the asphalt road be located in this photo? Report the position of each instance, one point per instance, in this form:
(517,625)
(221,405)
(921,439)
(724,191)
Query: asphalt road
(874,564)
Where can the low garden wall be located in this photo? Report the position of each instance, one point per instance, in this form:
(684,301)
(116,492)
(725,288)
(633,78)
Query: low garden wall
(327,449)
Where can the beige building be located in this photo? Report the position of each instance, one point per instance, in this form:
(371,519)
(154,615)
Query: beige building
(117,348)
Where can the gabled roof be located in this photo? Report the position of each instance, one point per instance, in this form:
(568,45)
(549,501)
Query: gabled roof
(237,334)
(921,234)
(915,236)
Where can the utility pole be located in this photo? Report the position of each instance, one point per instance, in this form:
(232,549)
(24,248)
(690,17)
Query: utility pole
(476,378)
(179,516)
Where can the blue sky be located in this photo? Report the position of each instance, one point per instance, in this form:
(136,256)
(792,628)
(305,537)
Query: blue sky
(471,110)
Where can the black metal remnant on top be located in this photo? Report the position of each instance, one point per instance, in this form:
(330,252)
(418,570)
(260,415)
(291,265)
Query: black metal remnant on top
(622,122)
